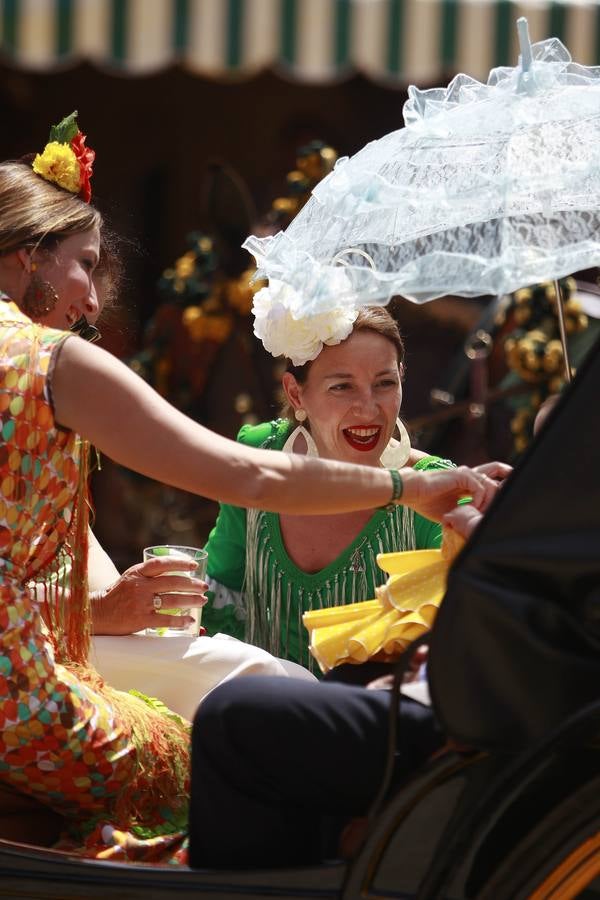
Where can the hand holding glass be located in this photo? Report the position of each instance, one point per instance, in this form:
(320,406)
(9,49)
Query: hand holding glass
(200,557)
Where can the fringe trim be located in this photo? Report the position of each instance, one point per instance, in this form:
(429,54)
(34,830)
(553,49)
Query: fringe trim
(269,591)
(157,796)
(66,603)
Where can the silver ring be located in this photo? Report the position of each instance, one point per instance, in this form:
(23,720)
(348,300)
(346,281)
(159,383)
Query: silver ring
(157,602)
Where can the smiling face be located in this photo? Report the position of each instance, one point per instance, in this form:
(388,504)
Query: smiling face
(69,268)
(352,397)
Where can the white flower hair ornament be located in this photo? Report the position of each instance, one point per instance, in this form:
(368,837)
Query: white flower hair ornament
(284,331)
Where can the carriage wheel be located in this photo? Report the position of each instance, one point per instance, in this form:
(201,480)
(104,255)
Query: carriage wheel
(574,874)
(559,858)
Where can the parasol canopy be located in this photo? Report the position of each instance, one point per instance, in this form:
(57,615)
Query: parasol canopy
(488,188)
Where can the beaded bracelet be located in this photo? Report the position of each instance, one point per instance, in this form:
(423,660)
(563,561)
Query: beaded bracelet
(397,488)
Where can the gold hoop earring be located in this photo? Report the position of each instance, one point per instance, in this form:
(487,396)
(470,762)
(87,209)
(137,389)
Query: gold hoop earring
(291,445)
(397,453)
(39,298)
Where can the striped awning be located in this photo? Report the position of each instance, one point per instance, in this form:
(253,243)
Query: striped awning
(401,41)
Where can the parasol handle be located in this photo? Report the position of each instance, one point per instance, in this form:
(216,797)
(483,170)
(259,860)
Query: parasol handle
(526,82)
(562,330)
(524,44)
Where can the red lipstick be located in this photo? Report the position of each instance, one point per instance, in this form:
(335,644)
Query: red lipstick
(362,437)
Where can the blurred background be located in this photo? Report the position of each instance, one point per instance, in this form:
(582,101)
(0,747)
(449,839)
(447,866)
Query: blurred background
(214,118)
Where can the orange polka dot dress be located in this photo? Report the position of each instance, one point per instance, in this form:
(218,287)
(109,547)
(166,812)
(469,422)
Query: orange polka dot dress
(113,765)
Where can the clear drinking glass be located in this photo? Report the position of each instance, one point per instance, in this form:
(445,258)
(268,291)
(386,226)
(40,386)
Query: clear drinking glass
(176,552)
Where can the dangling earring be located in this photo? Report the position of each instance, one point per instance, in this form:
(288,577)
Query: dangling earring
(39,298)
(396,453)
(300,431)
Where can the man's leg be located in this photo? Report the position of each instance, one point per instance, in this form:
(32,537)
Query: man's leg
(273,759)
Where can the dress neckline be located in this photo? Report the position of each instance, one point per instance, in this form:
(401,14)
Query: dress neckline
(339,563)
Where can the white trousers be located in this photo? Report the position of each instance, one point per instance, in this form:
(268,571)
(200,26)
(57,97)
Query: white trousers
(181,671)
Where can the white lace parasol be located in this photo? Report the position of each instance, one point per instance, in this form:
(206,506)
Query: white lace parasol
(488,188)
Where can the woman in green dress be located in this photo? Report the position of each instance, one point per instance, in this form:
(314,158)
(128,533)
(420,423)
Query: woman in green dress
(265,570)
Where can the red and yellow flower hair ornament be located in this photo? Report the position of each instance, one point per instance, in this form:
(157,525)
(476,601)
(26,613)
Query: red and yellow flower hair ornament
(66,161)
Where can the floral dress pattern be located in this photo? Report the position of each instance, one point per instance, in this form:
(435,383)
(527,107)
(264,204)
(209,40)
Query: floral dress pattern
(113,765)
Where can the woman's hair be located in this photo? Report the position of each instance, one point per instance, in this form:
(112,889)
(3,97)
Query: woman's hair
(370,318)
(109,271)
(35,213)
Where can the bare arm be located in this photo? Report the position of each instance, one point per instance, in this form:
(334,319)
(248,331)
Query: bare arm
(101,399)
(101,569)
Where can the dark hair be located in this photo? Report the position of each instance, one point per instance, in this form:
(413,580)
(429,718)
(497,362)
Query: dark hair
(370,318)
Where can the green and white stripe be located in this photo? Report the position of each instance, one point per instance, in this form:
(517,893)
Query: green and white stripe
(401,41)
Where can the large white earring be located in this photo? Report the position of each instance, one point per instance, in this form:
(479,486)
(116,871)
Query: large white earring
(396,453)
(300,434)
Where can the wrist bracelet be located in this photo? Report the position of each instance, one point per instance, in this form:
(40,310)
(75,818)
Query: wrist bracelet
(397,488)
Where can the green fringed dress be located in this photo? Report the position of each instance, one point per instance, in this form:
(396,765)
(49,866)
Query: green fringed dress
(259,595)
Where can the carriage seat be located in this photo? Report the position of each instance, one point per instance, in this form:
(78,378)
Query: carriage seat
(25,820)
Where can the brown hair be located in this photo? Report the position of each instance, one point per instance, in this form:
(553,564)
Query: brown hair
(108,274)
(36,213)
(369,318)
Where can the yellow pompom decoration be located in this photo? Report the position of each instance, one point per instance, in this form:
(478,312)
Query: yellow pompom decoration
(59,164)
(185,265)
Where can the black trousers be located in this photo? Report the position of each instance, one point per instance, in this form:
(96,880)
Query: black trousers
(278,765)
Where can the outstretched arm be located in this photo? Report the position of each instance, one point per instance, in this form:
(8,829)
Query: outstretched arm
(101,399)
(463,520)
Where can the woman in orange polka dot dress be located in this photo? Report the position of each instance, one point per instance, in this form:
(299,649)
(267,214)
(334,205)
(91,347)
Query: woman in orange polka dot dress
(112,765)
